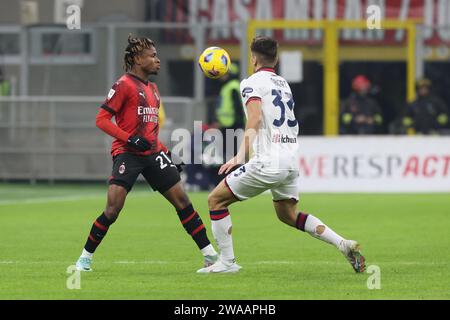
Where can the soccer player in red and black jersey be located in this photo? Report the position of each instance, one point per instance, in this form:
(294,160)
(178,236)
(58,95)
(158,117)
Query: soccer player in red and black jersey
(136,149)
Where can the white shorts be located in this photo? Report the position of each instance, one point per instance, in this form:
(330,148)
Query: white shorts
(252,178)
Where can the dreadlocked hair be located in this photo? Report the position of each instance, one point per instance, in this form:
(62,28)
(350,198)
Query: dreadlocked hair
(135,46)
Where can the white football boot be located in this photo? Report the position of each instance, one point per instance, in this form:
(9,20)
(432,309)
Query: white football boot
(352,252)
(210,260)
(84,264)
(221,267)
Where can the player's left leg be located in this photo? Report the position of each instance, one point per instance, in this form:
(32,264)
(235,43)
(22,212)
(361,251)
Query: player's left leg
(163,176)
(191,221)
(286,212)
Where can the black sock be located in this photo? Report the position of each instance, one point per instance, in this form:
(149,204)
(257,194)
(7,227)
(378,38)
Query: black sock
(98,231)
(194,226)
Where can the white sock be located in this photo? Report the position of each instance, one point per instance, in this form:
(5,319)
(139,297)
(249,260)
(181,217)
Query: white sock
(208,250)
(86,254)
(221,230)
(328,235)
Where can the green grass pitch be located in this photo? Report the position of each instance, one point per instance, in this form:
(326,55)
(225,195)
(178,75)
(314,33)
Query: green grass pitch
(148,255)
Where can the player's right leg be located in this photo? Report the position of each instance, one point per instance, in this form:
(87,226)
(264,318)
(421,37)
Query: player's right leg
(126,168)
(218,201)
(286,212)
(241,184)
(115,202)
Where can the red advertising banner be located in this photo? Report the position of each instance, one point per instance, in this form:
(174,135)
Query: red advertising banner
(434,14)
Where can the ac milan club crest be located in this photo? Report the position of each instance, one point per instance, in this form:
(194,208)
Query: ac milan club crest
(122,168)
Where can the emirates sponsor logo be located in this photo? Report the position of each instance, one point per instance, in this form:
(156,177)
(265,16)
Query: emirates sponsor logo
(149,114)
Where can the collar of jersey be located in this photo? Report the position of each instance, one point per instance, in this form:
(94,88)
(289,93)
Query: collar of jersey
(137,78)
(269,69)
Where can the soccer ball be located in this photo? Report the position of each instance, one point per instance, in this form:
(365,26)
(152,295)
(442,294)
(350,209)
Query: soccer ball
(214,62)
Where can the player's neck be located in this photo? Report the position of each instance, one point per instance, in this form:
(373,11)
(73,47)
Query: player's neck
(264,68)
(139,74)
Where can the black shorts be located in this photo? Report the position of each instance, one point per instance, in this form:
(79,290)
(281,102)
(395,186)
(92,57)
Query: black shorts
(158,169)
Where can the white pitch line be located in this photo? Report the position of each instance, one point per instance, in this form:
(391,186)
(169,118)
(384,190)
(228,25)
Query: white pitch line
(330,262)
(63,198)
(149,262)
(68,263)
(48,199)
(410,263)
(273,262)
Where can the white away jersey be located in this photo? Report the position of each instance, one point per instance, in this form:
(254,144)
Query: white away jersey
(277,138)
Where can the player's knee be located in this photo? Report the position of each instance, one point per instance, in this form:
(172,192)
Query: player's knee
(212,201)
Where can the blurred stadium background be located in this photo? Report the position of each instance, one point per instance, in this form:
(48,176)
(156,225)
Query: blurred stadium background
(53,80)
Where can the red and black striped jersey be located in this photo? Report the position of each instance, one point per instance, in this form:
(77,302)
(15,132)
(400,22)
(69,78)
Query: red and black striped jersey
(135,105)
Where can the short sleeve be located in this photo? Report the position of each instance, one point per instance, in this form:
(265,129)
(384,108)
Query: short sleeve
(249,92)
(115,99)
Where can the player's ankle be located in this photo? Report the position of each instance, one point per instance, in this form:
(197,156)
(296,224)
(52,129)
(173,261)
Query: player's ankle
(228,261)
(208,251)
(86,254)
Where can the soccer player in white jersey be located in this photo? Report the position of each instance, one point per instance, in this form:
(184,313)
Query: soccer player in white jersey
(272,130)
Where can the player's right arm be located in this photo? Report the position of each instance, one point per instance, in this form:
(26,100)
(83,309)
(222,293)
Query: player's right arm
(104,123)
(254,120)
(252,100)
(110,108)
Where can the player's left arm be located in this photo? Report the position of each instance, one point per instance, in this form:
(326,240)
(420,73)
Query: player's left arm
(175,159)
(161,115)
(254,120)
(238,109)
